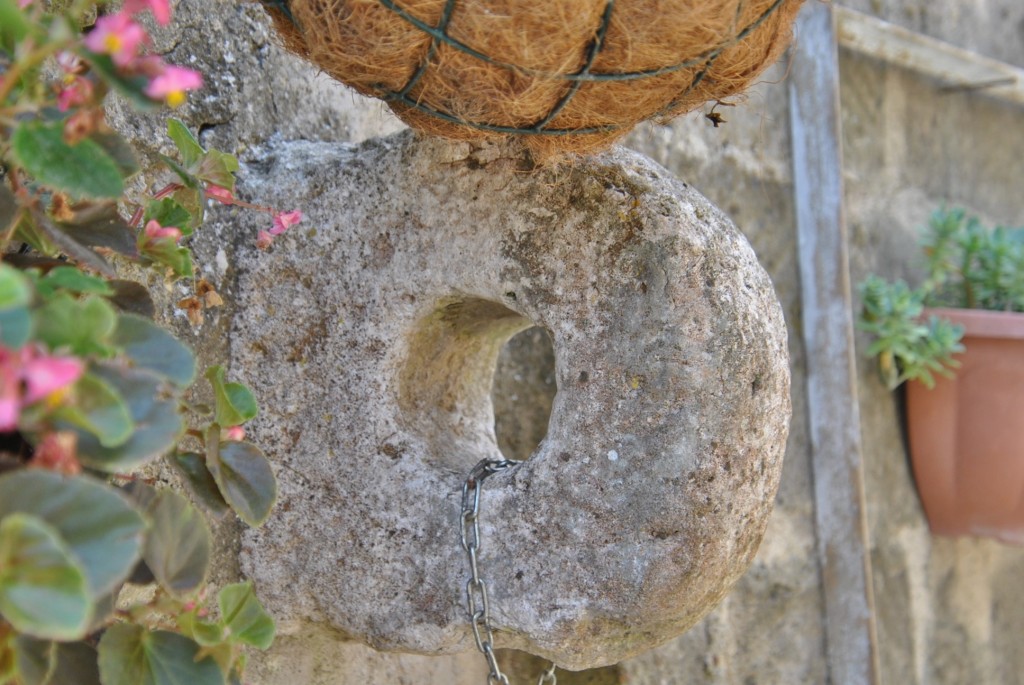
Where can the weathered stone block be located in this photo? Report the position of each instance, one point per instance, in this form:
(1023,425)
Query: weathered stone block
(371,331)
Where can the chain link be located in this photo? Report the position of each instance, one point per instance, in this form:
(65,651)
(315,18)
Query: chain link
(477,601)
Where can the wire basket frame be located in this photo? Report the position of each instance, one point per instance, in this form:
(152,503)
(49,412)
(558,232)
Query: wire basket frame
(439,35)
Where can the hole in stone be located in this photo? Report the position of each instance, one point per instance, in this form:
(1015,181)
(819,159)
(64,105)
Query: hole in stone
(446,380)
(523,391)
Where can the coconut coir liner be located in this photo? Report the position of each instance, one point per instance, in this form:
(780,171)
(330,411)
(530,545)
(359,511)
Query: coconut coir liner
(565,75)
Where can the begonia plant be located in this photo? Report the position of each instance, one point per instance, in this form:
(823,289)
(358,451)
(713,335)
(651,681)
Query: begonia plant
(92,387)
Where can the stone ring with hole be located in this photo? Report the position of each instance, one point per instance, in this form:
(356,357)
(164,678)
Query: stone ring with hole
(371,331)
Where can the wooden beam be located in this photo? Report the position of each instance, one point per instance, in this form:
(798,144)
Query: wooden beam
(834,418)
(955,68)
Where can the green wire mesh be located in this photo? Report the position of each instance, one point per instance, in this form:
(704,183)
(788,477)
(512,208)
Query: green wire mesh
(439,35)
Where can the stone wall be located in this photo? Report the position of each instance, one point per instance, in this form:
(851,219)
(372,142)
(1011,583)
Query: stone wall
(948,611)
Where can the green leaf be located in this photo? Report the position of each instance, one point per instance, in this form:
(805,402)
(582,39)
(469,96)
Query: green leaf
(245,617)
(82,170)
(203,632)
(82,326)
(35,660)
(13,25)
(77,664)
(9,207)
(244,477)
(45,662)
(15,288)
(101,226)
(55,239)
(132,655)
(76,281)
(177,548)
(43,588)
(132,298)
(99,524)
(15,327)
(199,481)
(155,417)
(235,403)
(189,148)
(169,212)
(99,409)
(218,168)
(183,174)
(165,251)
(194,201)
(119,150)
(28,232)
(15,318)
(154,348)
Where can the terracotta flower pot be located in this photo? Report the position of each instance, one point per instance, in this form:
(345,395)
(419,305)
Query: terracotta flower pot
(967,433)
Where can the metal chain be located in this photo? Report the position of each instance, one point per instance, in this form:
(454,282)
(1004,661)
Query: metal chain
(476,589)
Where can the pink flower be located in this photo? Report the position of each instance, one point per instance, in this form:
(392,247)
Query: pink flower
(44,375)
(77,92)
(118,36)
(234,433)
(29,375)
(24,3)
(264,240)
(154,231)
(285,220)
(172,84)
(220,194)
(161,9)
(69,62)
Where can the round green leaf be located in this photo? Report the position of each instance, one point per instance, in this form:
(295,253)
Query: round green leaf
(43,588)
(82,170)
(15,289)
(132,655)
(156,421)
(76,280)
(235,403)
(81,325)
(99,524)
(15,327)
(15,319)
(243,614)
(99,409)
(199,481)
(177,548)
(152,347)
(76,663)
(35,660)
(188,147)
(205,633)
(245,478)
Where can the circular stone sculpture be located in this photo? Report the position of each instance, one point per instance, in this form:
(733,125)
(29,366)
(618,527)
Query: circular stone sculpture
(566,75)
(370,333)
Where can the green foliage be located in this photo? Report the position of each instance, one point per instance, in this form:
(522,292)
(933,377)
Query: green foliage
(132,655)
(245,617)
(100,526)
(968,267)
(91,387)
(178,543)
(82,170)
(15,318)
(43,590)
(243,476)
(235,402)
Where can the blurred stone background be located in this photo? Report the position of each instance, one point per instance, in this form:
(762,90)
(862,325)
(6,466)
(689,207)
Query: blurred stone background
(948,611)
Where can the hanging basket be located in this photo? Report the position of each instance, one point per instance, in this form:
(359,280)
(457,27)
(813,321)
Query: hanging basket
(566,75)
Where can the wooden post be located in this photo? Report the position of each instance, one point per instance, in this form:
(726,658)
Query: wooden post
(834,418)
